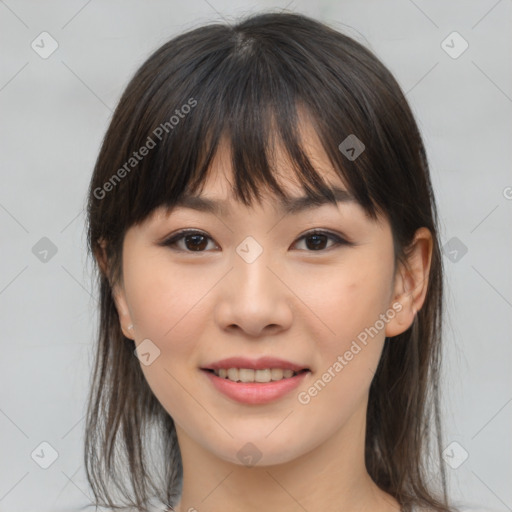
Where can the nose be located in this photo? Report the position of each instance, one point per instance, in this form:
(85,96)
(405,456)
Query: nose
(254,298)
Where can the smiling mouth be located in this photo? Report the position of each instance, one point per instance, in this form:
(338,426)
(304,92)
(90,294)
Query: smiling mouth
(258,376)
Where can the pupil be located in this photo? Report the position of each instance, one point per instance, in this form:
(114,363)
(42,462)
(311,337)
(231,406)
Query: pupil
(316,245)
(194,243)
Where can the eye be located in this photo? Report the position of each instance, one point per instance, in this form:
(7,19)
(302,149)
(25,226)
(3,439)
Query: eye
(318,239)
(197,241)
(194,240)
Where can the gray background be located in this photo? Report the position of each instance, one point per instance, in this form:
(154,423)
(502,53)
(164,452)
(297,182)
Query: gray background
(54,113)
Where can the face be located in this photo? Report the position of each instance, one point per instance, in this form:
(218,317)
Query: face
(253,283)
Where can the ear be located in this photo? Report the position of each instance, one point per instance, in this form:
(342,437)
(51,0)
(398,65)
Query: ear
(100,253)
(125,319)
(411,283)
(118,293)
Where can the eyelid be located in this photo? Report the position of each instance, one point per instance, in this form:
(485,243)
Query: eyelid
(179,235)
(339,239)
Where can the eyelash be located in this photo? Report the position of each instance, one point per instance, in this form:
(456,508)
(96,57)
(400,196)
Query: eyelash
(177,237)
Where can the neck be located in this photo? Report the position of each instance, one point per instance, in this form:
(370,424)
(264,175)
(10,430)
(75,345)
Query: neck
(329,477)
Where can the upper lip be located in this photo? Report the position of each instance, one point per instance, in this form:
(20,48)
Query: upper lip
(256,364)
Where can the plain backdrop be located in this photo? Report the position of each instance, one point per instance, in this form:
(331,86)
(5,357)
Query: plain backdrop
(54,112)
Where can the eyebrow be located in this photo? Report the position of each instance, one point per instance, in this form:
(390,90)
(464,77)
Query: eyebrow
(288,206)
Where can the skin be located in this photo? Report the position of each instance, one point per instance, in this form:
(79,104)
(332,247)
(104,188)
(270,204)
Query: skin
(293,302)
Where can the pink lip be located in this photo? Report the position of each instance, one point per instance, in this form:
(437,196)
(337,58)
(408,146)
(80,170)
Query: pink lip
(255,392)
(256,364)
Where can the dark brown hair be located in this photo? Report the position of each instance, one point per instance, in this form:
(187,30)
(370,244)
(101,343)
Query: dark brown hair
(248,82)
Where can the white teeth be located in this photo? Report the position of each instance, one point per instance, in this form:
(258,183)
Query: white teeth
(246,375)
(287,374)
(233,374)
(263,375)
(250,375)
(277,373)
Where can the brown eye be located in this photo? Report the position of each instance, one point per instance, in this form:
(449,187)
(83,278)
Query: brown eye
(193,241)
(316,240)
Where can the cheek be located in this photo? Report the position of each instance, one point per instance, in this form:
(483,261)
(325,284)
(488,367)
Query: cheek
(166,309)
(348,300)
(351,338)
(163,299)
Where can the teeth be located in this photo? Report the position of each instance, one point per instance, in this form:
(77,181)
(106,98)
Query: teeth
(263,375)
(250,375)
(246,375)
(233,374)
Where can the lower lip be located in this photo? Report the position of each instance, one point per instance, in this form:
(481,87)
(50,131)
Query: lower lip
(255,392)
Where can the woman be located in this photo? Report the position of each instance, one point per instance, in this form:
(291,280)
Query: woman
(263,219)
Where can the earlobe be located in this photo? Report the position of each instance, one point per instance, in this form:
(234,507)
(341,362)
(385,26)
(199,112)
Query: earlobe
(411,283)
(123,312)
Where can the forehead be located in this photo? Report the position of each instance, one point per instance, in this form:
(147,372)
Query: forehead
(219,183)
(215,191)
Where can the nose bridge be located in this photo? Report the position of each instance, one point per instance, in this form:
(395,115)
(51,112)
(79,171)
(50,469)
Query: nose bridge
(253,297)
(251,271)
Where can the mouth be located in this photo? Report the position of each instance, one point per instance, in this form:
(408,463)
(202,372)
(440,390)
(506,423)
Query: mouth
(251,375)
(255,387)
(255,381)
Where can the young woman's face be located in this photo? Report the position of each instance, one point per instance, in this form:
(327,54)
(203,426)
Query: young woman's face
(256,283)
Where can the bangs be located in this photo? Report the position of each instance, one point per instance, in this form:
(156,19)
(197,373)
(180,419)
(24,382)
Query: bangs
(253,88)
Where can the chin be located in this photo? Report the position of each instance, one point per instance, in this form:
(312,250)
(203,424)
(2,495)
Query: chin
(256,451)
